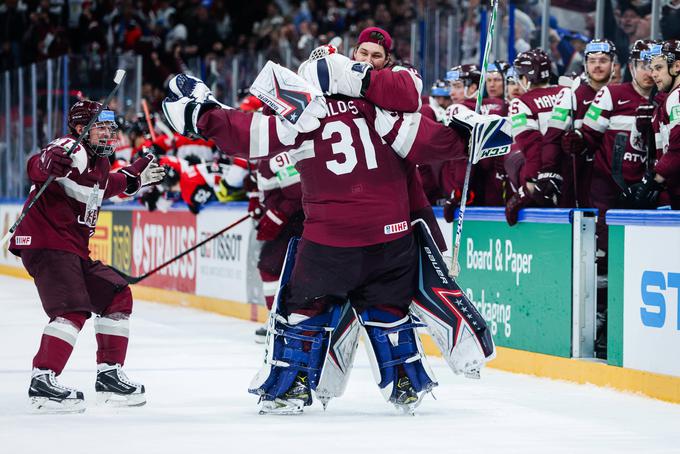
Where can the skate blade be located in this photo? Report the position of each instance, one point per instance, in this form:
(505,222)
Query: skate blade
(45,405)
(282,407)
(110,399)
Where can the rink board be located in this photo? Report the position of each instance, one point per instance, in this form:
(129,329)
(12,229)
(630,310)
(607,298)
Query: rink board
(644,290)
(212,279)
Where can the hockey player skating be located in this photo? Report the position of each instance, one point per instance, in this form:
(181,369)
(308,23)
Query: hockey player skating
(52,242)
(564,151)
(665,175)
(354,245)
(529,115)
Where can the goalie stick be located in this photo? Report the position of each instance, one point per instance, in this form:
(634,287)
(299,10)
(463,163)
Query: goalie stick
(117,80)
(455,266)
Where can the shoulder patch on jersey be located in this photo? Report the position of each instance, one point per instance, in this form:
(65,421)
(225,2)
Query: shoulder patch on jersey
(519,120)
(560,114)
(593,112)
(675,113)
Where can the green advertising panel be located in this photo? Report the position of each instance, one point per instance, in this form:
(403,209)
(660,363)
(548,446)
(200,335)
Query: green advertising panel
(520,279)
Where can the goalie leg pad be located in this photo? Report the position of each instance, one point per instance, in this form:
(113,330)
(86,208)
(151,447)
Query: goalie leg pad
(458,329)
(395,351)
(298,348)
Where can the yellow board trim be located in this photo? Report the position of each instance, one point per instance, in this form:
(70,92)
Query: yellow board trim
(658,386)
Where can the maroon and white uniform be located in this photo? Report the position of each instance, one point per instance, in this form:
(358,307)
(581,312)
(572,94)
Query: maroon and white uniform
(568,112)
(53,242)
(355,193)
(490,106)
(529,115)
(667,132)
(612,112)
(65,216)
(395,88)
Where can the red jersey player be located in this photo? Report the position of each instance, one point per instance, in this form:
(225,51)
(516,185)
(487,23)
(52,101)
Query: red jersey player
(52,242)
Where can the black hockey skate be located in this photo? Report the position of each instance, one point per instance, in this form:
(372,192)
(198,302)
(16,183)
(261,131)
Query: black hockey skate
(292,401)
(115,389)
(46,395)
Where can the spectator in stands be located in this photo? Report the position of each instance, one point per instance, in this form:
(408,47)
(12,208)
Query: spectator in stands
(670,20)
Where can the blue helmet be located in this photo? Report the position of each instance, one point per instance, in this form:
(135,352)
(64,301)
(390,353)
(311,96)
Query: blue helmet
(440,88)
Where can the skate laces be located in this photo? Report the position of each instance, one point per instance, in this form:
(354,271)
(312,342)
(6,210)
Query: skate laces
(52,380)
(122,376)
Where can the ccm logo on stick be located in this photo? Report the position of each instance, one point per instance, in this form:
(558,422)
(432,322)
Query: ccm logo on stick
(652,286)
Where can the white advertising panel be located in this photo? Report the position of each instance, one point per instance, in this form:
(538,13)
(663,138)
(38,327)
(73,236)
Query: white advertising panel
(8,215)
(651,312)
(223,262)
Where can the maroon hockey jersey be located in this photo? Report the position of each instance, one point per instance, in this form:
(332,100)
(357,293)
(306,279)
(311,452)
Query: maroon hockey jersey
(667,129)
(65,216)
(612,112)
(354,180)
(569,110)
(529,115)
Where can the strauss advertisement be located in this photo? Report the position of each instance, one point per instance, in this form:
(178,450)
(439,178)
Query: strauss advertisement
(157,238)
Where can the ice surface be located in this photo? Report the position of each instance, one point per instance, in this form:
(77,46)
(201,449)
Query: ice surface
(197,366)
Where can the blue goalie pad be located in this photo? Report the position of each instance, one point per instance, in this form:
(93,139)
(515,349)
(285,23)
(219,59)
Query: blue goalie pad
(394,346)
(295,344)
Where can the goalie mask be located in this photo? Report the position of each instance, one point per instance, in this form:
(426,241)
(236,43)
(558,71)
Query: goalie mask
(101,138)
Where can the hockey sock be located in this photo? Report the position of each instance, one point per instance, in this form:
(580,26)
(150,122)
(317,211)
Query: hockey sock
(112,329)
(270,284)
(112,332)
(58,340)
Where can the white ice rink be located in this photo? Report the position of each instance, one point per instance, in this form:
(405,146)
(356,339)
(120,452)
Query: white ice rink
(197,366)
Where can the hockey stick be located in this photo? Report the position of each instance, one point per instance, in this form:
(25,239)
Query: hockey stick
(135,280)
(617,160)
(455,266)
(145,107)
(572,128)
(117,80)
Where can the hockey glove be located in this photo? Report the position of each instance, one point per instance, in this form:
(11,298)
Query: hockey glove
(271,225)
(644,195)
(55,162)
(335,74)
(573,143)
(454,202)
(519,200)
(185,85)
(143,172)
(547,189)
